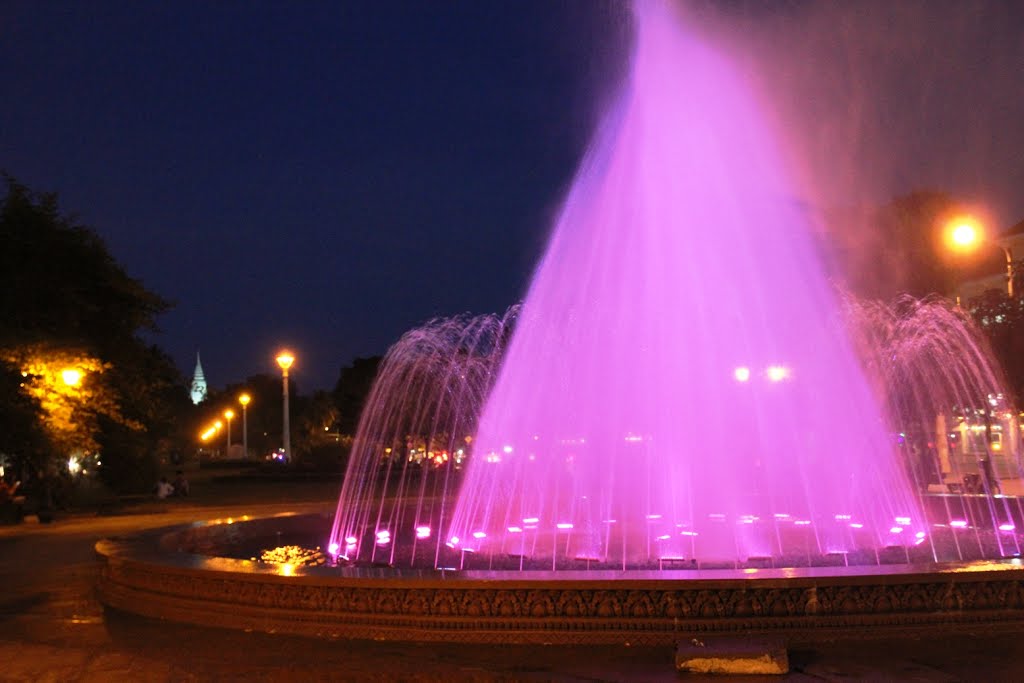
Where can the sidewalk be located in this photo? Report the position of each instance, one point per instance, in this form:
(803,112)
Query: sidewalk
(53,629)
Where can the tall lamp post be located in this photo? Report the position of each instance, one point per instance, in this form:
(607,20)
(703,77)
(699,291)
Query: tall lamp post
(228,414)
(965,234)
(244,400)
(217,426)
(285,360)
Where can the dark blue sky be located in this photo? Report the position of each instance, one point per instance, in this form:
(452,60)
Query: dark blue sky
(325,175)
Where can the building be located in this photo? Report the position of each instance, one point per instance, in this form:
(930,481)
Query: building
(198,390)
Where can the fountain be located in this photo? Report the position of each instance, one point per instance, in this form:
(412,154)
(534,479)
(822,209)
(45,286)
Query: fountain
(684,428)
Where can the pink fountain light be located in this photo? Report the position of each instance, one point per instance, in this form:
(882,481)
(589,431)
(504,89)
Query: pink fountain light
(680,364)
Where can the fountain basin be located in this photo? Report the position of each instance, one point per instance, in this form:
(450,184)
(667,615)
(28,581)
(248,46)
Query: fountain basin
(184,574)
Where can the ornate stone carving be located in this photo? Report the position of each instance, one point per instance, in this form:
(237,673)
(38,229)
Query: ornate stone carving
(555,608)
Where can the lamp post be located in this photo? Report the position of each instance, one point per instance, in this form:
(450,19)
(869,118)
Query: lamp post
(965,234)
(217,426)
(244,400)
(284,360)
(228,414)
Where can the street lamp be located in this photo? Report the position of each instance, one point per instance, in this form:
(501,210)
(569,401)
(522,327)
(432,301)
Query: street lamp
(964,234)
(284,360)
(72,377)
(244,400)
(228,414)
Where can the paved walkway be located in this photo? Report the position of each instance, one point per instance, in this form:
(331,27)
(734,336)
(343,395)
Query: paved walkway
(53,629)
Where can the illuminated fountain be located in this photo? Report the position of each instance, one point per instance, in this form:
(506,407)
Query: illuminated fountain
(681,386)
(683,429)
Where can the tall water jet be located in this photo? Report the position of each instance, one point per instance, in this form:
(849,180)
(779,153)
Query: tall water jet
(681,385)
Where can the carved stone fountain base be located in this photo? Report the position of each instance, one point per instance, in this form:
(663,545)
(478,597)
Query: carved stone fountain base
(159,574)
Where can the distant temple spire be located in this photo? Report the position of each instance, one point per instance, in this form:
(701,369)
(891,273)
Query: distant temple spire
(198,383)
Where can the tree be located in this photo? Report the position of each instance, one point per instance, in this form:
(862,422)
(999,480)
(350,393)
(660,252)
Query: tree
(21,417)
(898,248)
(317,442)
(352,389)
(58,282)
(154,407)
(1002,320)
(68,305)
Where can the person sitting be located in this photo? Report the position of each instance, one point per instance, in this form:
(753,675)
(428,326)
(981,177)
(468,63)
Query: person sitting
(181,487)
(164,488)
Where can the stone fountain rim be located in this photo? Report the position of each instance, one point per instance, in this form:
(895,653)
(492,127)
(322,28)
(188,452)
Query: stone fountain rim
(150,547)
(144,574)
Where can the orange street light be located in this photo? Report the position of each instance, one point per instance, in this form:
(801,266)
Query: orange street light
(965,234)
(71,376)
(285,360)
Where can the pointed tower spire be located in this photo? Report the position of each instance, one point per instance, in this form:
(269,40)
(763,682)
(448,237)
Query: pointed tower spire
(198,383)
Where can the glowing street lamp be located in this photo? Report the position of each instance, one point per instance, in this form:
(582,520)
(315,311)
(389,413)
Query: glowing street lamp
(284,360)
(228,414)
(72,377)
(965,234)
(208,434)
(244,400)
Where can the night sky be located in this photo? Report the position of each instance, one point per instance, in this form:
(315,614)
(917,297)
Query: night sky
(328,175)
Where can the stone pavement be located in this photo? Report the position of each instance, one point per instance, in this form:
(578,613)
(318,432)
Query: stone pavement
(53,629)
